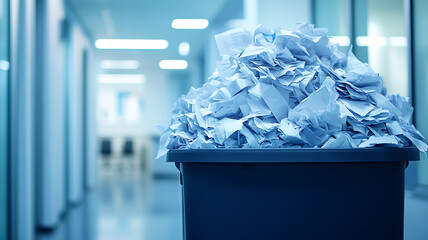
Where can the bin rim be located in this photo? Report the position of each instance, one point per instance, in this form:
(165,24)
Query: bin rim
(293,155)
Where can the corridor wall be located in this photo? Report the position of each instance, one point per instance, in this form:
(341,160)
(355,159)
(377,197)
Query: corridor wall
(21,118)
(65,113)
(4,117)
(78,131)
(50,113)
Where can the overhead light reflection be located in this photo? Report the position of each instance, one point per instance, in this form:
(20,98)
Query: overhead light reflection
(399,41)
(343,41)
(378,41)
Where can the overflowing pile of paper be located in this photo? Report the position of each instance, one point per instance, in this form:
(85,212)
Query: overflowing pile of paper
(283,89)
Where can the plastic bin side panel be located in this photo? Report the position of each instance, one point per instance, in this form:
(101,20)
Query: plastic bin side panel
(293,200)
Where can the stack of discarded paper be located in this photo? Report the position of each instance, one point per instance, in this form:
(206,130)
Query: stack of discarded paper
(283,89)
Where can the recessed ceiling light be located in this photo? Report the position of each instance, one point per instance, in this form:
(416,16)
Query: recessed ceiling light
(184,48)
(119,64)
(131,44)
(173,64)
(4,65)
(189,23)
(121,78)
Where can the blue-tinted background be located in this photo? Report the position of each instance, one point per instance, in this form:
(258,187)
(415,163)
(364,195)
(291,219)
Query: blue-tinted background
(78,135)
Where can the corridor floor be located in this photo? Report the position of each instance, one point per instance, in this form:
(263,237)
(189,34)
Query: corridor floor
(133,207)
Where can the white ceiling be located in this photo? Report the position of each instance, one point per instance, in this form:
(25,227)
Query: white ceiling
(146,19)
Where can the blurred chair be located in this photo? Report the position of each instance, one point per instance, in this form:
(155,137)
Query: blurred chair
(106,149)
(127,158)
(128,148)
(144,159)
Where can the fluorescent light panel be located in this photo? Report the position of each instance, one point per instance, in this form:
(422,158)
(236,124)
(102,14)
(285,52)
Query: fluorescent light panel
(131,44)
(121,78)
(189,23)
(173,64)
(184,49)
(119,64)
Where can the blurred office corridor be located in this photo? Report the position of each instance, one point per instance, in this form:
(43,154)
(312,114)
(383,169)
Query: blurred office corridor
(86,87)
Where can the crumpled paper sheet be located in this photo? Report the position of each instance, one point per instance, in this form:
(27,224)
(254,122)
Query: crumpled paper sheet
(283,89)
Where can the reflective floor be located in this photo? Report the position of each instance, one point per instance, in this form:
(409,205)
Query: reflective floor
(133,207)
(77,224)
(129,206)
(415,217)
(126,206)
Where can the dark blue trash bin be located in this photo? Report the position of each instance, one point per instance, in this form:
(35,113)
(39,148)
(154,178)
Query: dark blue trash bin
(293,194)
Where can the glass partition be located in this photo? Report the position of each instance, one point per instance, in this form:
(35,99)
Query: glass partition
(387,43)
(334,15)
(4,69)
(420,77)
(376,29)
